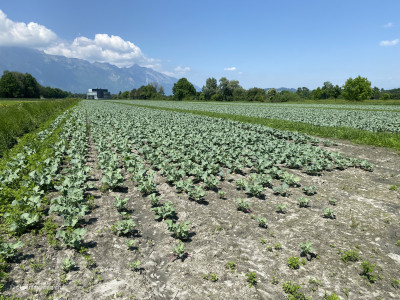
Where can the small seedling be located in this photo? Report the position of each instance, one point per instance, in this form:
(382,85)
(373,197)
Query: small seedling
(67,265)
(179,250)
(350,255)
(367,270)
(395,283)
(281,208)
(231,266)
(303,202)
(213,277)
(131,244)
(310,190)
(262,222)
(120,204)
(134,266)
(263,241)
(242,205)
(124,227)
(333,296)
(397,243)
(179,230)
(278,246)
(294,262)
(251,279)
(306,249)
(154,199)
(329,213)
(332,201)
(221,194)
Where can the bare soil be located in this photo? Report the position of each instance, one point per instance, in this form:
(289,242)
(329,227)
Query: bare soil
(367,220)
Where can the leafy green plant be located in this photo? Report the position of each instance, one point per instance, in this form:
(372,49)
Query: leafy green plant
(303,202)
(165,211)
(241,184)
(221,194)
(180,250)
(9,250)
(367,271)
(282,190)
(131,244)
(147,185)
(154,199)
(120,204)
(332,296)
(242,205)
(294,291)
(278,246)
(67,265)
(397,243)
(329,213)
(134,266)
(231,266)
(350,255)
(251,279)
(306,249)
(281,208)
(395,283)
(179,230)
(332,201)
(197,194)
(262,222)
(295,262)
(71,237)
(124,227)
(213,277)
(310,190)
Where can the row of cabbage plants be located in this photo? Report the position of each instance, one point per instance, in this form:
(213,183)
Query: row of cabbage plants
(194,153)
(117,157)
(374,121)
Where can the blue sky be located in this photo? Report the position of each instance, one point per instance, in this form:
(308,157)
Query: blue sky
(260,43)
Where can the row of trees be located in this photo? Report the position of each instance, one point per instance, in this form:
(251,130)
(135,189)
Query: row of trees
(356,89)
(19,85)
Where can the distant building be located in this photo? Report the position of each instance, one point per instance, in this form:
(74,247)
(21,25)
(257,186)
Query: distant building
(94,94)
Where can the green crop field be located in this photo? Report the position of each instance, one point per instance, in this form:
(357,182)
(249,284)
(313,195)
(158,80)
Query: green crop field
(164,200)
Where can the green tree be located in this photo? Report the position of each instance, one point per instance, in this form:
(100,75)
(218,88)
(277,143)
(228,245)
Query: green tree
(224,88)
(272,94)
(303,92)
(357,89)
(183,89)
(12,85)
(256,94)
(31,87)
(210,88)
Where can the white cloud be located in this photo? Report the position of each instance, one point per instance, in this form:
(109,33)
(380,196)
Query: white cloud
(22,34)
(230,69)
(388,25)
(179,71)
(104,48)
(389,43)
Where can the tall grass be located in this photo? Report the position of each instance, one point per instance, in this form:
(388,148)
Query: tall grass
(21,118)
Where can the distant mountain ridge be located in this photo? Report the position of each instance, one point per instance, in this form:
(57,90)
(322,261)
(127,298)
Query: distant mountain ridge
(283,89)
(78,75)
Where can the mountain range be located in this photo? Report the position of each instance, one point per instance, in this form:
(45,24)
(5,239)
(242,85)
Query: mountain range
(77,75)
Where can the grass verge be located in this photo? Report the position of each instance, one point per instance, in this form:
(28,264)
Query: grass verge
(380,139)
(19,119)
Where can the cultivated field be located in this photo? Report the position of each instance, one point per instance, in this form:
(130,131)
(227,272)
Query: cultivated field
(116,200)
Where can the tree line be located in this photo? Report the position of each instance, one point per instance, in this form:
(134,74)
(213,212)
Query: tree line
(355,89)
(18,85)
